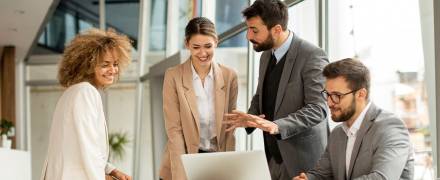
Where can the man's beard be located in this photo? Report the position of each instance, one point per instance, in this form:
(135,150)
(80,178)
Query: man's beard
(265,45)
(346,115)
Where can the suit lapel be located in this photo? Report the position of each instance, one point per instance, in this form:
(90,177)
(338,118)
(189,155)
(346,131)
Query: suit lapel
(219,99)
(371,114)
(189,92)
(264,60)
(287,70)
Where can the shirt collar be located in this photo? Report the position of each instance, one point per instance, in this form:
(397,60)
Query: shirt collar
(196,76)
(282,50)
(357,123)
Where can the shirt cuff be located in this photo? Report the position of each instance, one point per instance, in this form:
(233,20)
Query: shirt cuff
(109,168)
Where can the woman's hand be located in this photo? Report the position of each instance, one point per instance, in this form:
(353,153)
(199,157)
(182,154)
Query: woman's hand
(119,175)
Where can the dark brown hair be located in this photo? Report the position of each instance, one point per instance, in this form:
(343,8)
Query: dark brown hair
(200,25)
(272,12)
(86,51)
(352,70)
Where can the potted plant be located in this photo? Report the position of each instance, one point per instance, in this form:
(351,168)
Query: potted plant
(6,129)
(118,142)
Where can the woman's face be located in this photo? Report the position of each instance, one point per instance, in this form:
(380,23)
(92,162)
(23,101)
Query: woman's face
(201,48)
(107,70)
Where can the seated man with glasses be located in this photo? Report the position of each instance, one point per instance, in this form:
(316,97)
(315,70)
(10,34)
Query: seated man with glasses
(370,143)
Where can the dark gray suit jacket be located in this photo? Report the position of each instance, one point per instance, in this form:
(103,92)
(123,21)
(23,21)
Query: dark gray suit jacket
(381,151)
(300,110)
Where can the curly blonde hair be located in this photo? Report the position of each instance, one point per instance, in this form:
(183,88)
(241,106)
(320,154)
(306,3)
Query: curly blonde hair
(87,50)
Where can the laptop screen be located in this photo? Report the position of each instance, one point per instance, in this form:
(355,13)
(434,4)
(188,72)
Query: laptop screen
(249,165)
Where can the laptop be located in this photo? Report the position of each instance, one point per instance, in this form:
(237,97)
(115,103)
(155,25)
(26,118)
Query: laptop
(249,165)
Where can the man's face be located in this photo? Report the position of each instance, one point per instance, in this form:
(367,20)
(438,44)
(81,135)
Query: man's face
(346,107)
(258,34)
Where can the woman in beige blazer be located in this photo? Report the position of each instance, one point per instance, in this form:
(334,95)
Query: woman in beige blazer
(196,95)
(78,142)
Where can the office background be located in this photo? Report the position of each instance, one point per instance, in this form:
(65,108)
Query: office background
(397,39)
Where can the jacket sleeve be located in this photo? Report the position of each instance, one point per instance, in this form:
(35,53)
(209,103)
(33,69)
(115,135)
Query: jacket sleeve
(173,126)
(314,110)
(323,169)
(233,93)
(392,152)
(85,115)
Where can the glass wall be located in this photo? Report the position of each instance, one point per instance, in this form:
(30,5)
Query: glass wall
(389,42)
(123,16)
(69,18)
(158,25)
(60,29)
(227,15)
(303,20)
(157,31)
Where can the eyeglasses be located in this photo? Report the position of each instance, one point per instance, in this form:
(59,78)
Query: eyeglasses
(335,97)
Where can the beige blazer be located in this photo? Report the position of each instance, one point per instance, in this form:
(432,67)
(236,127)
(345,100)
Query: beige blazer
(182,118)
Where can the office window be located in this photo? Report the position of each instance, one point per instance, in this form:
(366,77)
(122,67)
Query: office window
(227,15)
(303,20)
(84,25)
(123,16)
(158,19)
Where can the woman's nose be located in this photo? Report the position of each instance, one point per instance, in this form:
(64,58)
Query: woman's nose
(113,69)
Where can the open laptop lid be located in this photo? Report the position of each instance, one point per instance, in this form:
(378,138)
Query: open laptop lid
(249,165)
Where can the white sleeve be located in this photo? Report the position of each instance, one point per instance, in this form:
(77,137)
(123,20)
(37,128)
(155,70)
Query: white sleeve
(85,119)
(109,168)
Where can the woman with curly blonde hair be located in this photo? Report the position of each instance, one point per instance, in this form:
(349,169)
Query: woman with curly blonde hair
(78,143)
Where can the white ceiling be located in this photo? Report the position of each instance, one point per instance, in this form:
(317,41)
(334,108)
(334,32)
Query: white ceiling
(20,21)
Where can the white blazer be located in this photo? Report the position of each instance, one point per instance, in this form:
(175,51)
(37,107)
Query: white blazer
(78,142)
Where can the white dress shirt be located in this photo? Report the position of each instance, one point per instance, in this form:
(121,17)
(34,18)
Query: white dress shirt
(282,50)
(351,134)
(205,105)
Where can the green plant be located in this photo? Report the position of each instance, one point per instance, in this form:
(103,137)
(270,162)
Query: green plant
(5,126)
(118,141)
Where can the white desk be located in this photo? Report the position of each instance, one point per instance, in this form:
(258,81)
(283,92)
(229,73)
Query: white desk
(15,164)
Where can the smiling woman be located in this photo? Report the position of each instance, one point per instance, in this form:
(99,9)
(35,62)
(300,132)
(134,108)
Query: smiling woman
(106,70)
(91,53)
(196,95)
(78,142)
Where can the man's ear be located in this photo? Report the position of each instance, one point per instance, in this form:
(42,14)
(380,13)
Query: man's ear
(277,29)
(362,93)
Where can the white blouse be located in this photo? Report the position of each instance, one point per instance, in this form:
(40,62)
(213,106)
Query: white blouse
(205,105)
